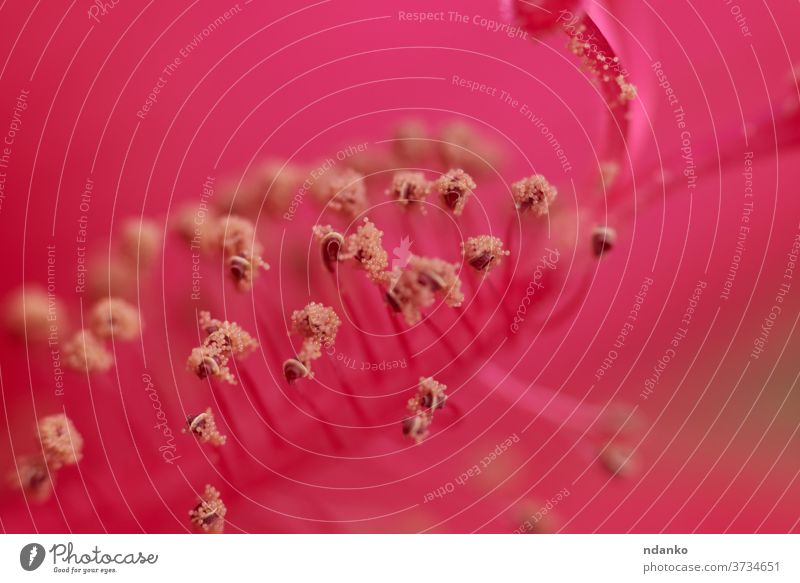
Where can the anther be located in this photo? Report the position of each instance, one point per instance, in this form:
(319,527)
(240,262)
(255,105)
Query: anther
(239,267)
(483,253)
(331,248)
(293,370)
(208,368)
(204,427)
(533,194)
(209,513)
(409,188)
(454,188)
(603,240)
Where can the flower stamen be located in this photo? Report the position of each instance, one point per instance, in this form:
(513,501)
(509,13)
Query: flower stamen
(208,515)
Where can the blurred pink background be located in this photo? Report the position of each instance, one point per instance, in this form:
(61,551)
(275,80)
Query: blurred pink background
(718,446)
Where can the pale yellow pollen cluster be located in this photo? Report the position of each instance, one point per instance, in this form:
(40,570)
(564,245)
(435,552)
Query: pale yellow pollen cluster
(114,317)
(208,516)
(342,191)
(365,247)
(62,445)
(430,397)
(455,187)
(483,252)
(416,287)
(409,189)
(322,231)
(317,325)
(604,67)
(85,352)
(627,91)
(224,340)
(533,194)
(204,427)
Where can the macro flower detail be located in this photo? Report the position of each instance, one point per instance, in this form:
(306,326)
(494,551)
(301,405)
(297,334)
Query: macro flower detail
(223,341)
(534,195)
(242,252)
(409,189)
(484,252)
(294,369)
(417,286)
(208,516)
(430,397)
(605,67)
(364,247)
(454,188)
(204,427)
(62,445)
(317,325)
(539,233)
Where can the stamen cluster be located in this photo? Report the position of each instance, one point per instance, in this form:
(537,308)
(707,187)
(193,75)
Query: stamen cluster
(430,397)
(224,340)
(208,516)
